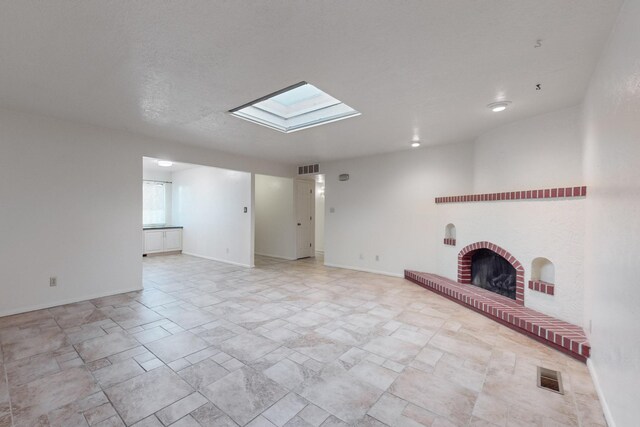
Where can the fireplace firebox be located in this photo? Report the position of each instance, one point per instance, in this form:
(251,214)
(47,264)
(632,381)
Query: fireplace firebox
(487,265)
(492,272)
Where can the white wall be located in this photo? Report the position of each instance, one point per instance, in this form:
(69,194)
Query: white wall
(544,151)
(209,203)
(71,207)
(386,208)
(153,175)
(612,248)
(275,219)
(528,230)
(319,217)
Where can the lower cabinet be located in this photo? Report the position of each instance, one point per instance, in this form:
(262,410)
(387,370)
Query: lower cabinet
(158,241)
(173,240)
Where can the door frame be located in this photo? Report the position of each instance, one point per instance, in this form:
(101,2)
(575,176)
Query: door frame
(312,227)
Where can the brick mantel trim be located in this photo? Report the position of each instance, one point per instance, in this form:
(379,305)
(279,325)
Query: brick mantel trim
(548,193)
(464,266)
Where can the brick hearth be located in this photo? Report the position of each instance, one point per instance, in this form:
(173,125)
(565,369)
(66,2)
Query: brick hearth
(558,334)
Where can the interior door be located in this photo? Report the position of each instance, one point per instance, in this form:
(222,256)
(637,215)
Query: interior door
(305,203)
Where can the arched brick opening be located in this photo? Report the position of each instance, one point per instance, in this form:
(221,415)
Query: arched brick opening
(464,266)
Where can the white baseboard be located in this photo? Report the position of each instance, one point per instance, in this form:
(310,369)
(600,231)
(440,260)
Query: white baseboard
(603,401)
(66,301)
(366,270)
(219,260)
(275,256)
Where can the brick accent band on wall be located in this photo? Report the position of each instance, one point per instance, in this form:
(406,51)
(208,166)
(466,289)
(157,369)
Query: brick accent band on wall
(464,266)
(549,193)
(449,241)
(540,286)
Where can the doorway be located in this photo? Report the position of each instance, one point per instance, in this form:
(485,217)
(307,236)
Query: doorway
(319,217)
(305,218)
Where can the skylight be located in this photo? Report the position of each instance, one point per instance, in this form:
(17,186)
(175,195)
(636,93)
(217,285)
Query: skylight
(294,108)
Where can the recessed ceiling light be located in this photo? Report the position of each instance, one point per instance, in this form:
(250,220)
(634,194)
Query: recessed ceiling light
(294,108)
(415,144)
(165,163)
(496,107)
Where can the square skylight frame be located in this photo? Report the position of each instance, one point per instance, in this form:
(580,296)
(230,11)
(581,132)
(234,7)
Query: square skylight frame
(296,107)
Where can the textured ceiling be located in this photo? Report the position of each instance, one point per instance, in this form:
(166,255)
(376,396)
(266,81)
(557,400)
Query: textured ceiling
(151,165)
(424,67)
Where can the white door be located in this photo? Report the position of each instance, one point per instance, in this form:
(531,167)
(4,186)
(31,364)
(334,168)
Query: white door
(173,240)
(153,241)
(305,203)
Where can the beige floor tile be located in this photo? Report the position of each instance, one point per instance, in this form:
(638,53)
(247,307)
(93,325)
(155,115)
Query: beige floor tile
(39,397)
(104,346)
(248,347)
(244,394)
(145,394)
(435,394)
(202,373)
(364,349)
(340,394)
(177,346)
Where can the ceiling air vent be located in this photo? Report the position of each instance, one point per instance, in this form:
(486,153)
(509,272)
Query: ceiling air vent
(304,170)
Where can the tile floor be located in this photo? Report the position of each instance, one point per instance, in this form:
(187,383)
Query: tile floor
(284,344)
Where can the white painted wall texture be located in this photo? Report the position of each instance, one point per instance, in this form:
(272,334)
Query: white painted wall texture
(527,229)
(612,243)
(539,152)
(544,151)
(319,222)
(387,208)
(275,218)
(71,207)
(209,203)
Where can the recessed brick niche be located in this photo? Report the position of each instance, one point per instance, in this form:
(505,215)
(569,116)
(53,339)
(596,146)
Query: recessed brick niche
(465,261)
(540,286)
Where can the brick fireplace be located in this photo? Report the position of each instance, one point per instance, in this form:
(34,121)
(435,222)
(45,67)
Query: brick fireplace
(543,227)
(465,259)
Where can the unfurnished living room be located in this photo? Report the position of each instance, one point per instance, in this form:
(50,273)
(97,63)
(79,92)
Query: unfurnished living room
(320,213)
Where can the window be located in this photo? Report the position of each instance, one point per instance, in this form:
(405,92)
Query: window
(297,107)
(154,206)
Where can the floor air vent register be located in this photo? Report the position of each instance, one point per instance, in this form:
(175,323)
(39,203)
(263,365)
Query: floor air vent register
(549,379)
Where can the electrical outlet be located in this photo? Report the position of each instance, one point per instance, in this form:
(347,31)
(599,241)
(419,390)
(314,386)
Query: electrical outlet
(227,250)
(332,210)
(361,256)
(53,281)
(377,258)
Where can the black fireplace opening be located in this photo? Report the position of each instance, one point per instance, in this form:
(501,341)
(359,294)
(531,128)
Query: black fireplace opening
(492,272)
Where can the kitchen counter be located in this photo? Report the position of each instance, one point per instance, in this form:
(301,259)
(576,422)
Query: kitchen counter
(161,227)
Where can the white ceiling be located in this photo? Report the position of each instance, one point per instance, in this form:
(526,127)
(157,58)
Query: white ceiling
(174,69)
(151,165)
